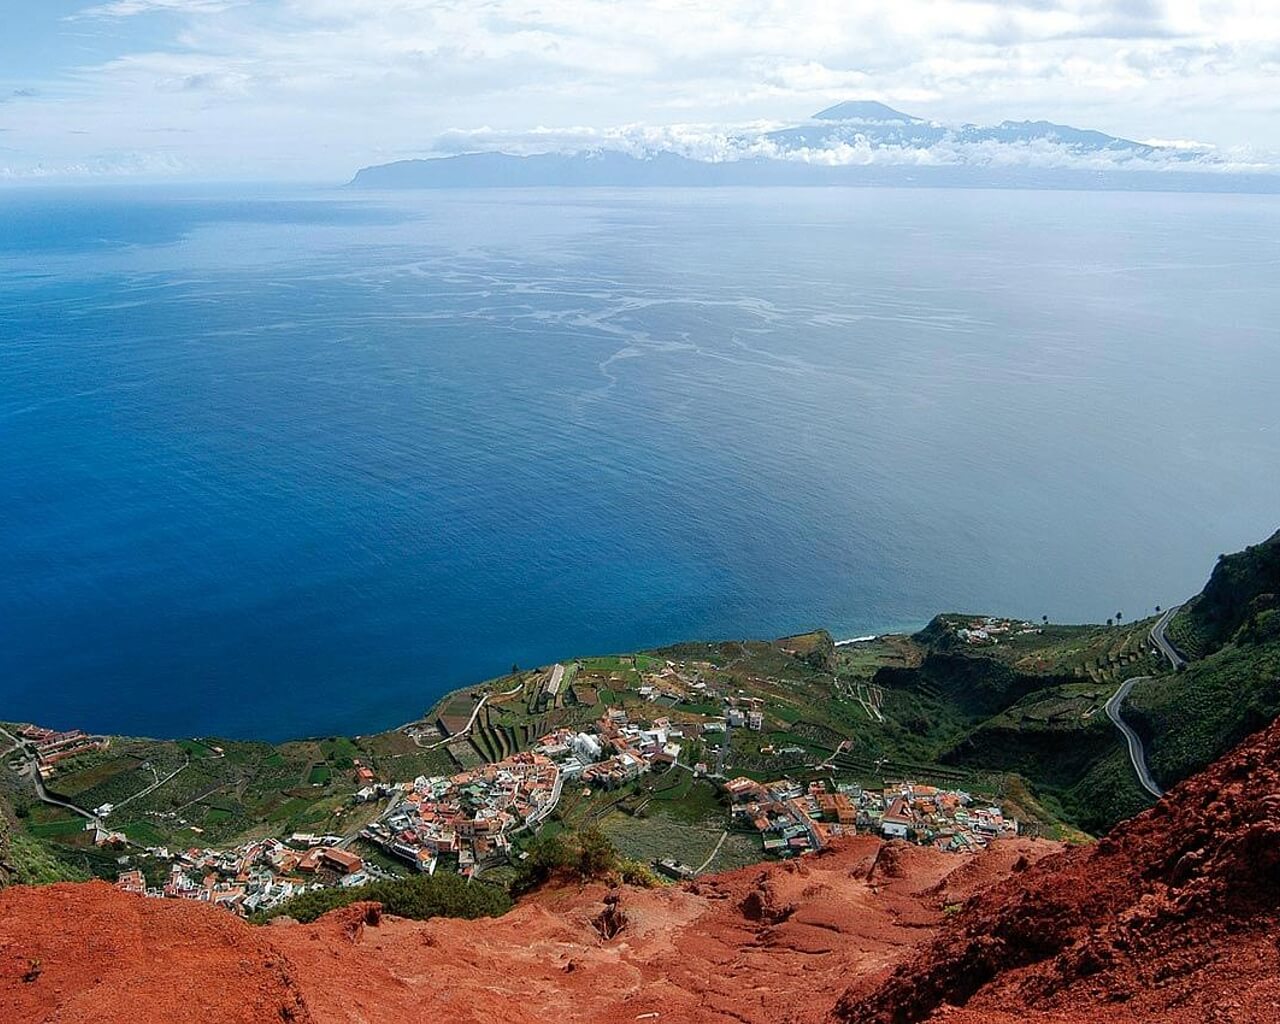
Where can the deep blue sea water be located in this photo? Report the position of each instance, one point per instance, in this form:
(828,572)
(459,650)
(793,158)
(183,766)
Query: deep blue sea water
(294,463)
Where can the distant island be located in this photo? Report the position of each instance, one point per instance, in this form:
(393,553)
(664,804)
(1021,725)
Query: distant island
(856,143)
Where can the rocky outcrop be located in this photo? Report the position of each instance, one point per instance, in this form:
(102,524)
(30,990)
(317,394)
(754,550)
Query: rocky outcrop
(86,952)
(1175,916)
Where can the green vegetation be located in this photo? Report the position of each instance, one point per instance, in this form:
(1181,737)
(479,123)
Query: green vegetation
(420,897)
(1190,719)
(37,863)
(1241,587)
(1232,688)
(586,854)
(1018,716)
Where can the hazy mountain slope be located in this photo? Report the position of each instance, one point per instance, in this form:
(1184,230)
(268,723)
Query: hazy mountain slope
(852,143)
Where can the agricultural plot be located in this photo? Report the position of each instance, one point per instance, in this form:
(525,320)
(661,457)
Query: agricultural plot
(658,837)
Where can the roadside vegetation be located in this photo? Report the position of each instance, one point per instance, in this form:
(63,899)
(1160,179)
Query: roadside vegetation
(1231,688)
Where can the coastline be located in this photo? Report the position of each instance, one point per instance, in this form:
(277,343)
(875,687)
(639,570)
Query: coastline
(432,710)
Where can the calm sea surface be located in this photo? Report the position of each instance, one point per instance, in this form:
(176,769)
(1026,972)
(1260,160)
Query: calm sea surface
(296,463)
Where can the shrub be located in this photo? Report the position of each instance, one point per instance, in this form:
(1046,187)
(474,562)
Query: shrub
(420,898)
(586,854)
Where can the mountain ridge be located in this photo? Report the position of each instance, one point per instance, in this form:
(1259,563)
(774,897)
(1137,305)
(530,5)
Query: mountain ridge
(856,142)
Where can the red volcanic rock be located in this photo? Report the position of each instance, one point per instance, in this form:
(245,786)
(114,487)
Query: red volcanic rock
(73,953)
(764,944)
(1174,916)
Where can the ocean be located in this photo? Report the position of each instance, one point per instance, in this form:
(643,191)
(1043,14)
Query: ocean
(277,463)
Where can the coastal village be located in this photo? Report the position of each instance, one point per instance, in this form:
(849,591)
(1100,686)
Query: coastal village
(989,630)
(52,746)
(477,820)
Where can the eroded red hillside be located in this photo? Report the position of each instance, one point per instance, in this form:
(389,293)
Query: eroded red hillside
(762,944)
(1174,917)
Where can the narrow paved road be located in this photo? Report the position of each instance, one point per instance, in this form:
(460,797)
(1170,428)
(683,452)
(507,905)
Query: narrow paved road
(703,867)
(1136,754)
(153,787)
(1162,642)
(471,721)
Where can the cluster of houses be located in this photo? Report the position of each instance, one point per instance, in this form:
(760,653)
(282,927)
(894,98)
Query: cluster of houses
(471,815)
(792,819)
(471,818)
(628,749)
(259,875)
(618,752)
(989,630)
(52,746)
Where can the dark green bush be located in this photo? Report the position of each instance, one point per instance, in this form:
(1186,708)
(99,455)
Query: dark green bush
(587,853)
(420,897)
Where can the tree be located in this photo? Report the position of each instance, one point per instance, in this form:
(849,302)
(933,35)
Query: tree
(1111,622)
(1119,616)
(1044,619)
(515,668)
(596,854)
(1157,609)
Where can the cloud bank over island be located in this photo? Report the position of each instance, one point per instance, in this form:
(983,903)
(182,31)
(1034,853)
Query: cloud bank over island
(905,141)
(311,89)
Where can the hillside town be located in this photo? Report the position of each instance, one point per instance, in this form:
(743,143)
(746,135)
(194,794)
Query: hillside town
(472,821)
(472,815)
(256,876)
(989,630)
(791,818)
(475,814)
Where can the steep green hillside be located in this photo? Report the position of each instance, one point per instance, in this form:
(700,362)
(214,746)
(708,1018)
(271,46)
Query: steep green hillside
(28,860)
(1190,719)
(1032,705)
(1242,587)
(1231,631)
(1034,698)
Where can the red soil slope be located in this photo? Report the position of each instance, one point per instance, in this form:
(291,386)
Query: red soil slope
(1174,917)
(762,944)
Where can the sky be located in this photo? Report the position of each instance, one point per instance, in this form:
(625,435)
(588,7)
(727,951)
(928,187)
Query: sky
(312,90)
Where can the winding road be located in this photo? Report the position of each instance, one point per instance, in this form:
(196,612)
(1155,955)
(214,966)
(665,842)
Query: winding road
(1161,641)
(1136,753)
(31,770)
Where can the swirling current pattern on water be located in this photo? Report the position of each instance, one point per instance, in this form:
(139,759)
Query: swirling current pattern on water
(279,464)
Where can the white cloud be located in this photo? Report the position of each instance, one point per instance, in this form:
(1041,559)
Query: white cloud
(129,8)
(717,143)
(316,88)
